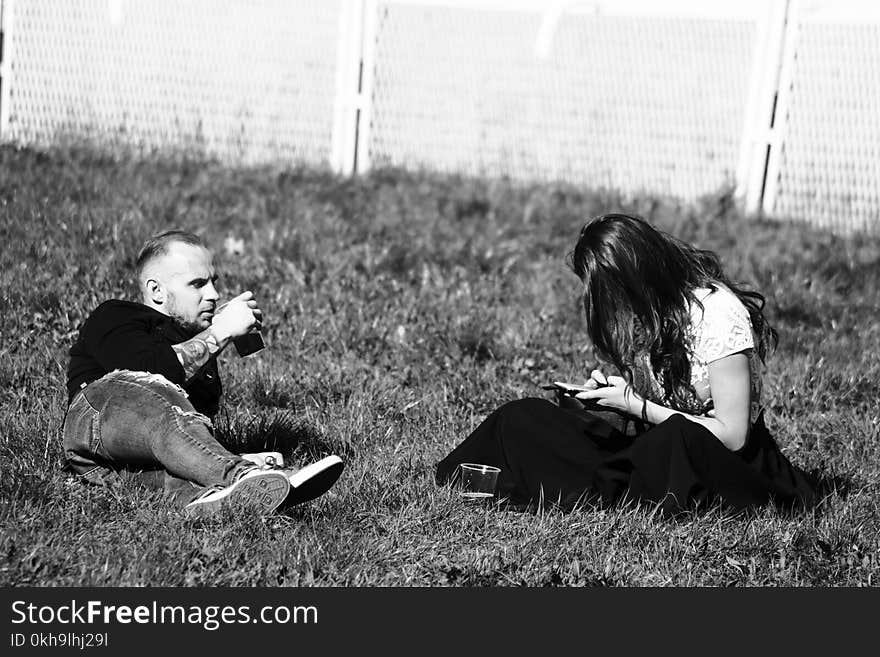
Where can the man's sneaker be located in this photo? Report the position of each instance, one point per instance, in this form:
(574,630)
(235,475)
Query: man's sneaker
(313,480)
(266,460)
(264,490)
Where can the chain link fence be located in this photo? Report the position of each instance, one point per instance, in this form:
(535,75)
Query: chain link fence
(825,169)
(245,80)
(777,98)
(641,103)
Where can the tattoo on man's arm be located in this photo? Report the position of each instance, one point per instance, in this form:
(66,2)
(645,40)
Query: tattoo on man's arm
(196,352)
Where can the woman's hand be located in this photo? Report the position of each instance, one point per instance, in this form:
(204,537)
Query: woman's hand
(729,383)
(597,380)
(611,392)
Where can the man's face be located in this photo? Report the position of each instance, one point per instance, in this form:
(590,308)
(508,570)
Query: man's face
(186,274)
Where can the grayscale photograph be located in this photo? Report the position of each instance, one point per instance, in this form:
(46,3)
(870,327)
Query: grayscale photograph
(421,294)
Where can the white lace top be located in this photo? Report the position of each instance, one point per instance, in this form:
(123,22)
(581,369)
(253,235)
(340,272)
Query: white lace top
(721,328)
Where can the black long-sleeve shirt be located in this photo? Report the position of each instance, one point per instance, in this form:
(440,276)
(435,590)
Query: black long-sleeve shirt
(123,335)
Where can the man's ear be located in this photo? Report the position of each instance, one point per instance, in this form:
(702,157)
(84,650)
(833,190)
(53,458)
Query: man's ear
(155,291)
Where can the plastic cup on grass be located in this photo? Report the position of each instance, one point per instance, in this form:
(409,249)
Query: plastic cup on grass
(477,481)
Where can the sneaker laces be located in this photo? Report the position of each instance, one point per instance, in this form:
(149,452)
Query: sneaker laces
(273,464)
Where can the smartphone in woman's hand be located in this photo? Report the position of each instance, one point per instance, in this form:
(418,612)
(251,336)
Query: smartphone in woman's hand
(571,389)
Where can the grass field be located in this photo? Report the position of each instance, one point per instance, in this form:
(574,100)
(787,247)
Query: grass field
(401,308)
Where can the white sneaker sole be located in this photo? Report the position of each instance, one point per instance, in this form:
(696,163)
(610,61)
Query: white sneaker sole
(263,491)
(313,480)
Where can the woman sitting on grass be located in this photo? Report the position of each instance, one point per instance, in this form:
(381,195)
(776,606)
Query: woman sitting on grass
(689,345)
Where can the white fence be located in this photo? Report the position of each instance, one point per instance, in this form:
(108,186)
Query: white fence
(249,80)
(779,98)
(825,167)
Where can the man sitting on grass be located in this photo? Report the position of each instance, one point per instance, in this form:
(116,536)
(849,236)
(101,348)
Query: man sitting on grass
(143,384)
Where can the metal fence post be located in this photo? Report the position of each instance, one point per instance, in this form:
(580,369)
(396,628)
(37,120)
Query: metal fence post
(365,91)
(5,65)
(783,100)
(346,103)
(762,106)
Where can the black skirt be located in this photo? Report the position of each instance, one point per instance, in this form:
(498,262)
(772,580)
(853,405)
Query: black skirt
(570,457)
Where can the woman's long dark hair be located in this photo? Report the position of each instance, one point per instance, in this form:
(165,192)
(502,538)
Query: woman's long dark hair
(638,285)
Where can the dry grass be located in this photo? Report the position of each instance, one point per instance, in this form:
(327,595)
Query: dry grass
(402,308)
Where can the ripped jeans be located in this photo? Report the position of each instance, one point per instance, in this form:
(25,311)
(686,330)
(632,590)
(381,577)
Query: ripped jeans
(140,425)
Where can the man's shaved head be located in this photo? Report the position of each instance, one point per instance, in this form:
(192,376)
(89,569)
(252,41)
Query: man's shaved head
(158,246)
(176,275)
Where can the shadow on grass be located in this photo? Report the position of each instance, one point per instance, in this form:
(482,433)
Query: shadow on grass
(279,432)
(828,485)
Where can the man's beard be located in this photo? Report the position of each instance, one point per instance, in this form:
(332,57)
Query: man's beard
(191,327)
